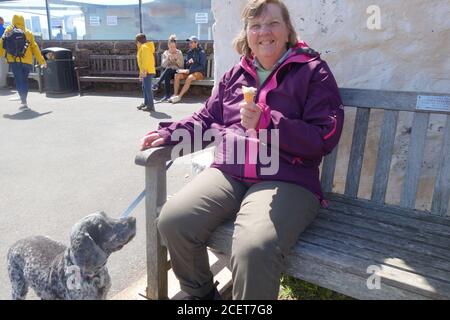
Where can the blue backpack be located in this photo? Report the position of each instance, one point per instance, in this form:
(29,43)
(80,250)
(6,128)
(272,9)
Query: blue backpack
(15,42)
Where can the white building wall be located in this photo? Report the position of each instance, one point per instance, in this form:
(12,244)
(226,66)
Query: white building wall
(411,51)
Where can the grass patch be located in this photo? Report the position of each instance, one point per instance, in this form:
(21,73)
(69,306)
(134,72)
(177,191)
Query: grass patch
(295,289)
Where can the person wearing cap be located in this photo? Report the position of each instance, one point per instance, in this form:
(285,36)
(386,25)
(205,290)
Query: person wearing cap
(195,64)
(21,66)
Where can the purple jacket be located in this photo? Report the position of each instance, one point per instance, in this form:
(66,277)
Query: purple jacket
(300,99)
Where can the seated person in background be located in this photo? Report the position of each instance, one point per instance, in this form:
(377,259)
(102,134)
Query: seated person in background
(196,69)
(172,60)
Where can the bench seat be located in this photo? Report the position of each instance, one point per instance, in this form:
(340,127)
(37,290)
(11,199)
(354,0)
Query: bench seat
(107,79)
(410,253)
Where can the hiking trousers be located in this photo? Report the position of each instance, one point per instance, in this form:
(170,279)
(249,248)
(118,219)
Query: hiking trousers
(268,219)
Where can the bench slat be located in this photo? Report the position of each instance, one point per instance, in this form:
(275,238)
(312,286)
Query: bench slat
(382,99)
(392,276)
(402,239)
(395,257)
(107,79)
(308,254)
(419,226)
(357,152)
(306,268)
(441,193)
(414,162)
(389,209)
(384,157)
(328,169)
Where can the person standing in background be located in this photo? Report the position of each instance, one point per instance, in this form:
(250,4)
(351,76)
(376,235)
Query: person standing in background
(21,58)
(3,63)
(146,64)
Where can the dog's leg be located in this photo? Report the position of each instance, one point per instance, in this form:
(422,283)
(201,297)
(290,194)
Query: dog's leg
(18,281)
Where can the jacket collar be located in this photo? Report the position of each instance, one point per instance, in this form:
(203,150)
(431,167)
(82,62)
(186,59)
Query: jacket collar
(301,53)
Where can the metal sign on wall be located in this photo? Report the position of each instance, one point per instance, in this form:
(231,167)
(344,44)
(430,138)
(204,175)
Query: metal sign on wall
(201,17)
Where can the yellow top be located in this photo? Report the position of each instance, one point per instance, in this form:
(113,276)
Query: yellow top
(33,49)
(146,58)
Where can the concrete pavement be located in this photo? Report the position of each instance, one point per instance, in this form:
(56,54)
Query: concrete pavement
(70,156)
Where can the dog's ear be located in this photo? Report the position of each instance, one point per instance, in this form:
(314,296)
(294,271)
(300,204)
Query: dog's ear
(88,255)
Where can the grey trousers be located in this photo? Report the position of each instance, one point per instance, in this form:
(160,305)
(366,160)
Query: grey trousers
(269,217)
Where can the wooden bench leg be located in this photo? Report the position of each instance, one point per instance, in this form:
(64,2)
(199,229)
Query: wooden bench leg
(40,85)
(157,265)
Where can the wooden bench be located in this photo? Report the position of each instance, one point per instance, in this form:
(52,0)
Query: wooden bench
(36,74)
(208,81)
(354,242)
(408,250)
(108,68)
(124,69)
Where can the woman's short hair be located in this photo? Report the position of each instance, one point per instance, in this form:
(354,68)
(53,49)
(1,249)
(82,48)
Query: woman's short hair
(255,8)
(141,38)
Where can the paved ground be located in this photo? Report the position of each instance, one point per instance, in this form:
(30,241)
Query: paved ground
(71,156)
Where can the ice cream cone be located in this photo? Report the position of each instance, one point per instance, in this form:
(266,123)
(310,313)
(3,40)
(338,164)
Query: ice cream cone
(249,93)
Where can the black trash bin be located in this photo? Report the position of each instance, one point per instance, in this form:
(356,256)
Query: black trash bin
(59,76)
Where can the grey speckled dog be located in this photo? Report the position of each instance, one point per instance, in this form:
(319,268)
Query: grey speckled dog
(74,273)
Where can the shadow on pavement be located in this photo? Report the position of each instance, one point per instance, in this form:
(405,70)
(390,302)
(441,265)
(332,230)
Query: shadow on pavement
(6,92)
(159,115)
(61,95)
(25,115)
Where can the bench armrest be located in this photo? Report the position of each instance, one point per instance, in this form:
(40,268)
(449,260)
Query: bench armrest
(154,155)
(163,154)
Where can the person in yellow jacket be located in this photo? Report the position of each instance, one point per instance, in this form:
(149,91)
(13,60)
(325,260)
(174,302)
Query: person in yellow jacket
(147,70)
(21,66)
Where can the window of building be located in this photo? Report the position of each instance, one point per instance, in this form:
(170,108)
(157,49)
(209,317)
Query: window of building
(33,11)
(113,19)
(94,19)
(184,18)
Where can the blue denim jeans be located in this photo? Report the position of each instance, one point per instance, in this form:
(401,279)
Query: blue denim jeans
(167,75)
(21,72)
(147,90)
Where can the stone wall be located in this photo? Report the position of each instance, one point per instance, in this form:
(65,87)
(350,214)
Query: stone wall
(82,49)
(410,52)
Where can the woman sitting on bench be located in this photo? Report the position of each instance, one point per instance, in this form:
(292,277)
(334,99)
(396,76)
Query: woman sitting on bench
(297,104)
(172,60)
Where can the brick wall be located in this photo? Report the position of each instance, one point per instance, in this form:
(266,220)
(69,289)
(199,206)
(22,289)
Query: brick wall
(82,49)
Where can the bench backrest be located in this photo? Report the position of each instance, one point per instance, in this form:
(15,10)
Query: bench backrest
(392,104)
(120,65)
(210,66)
